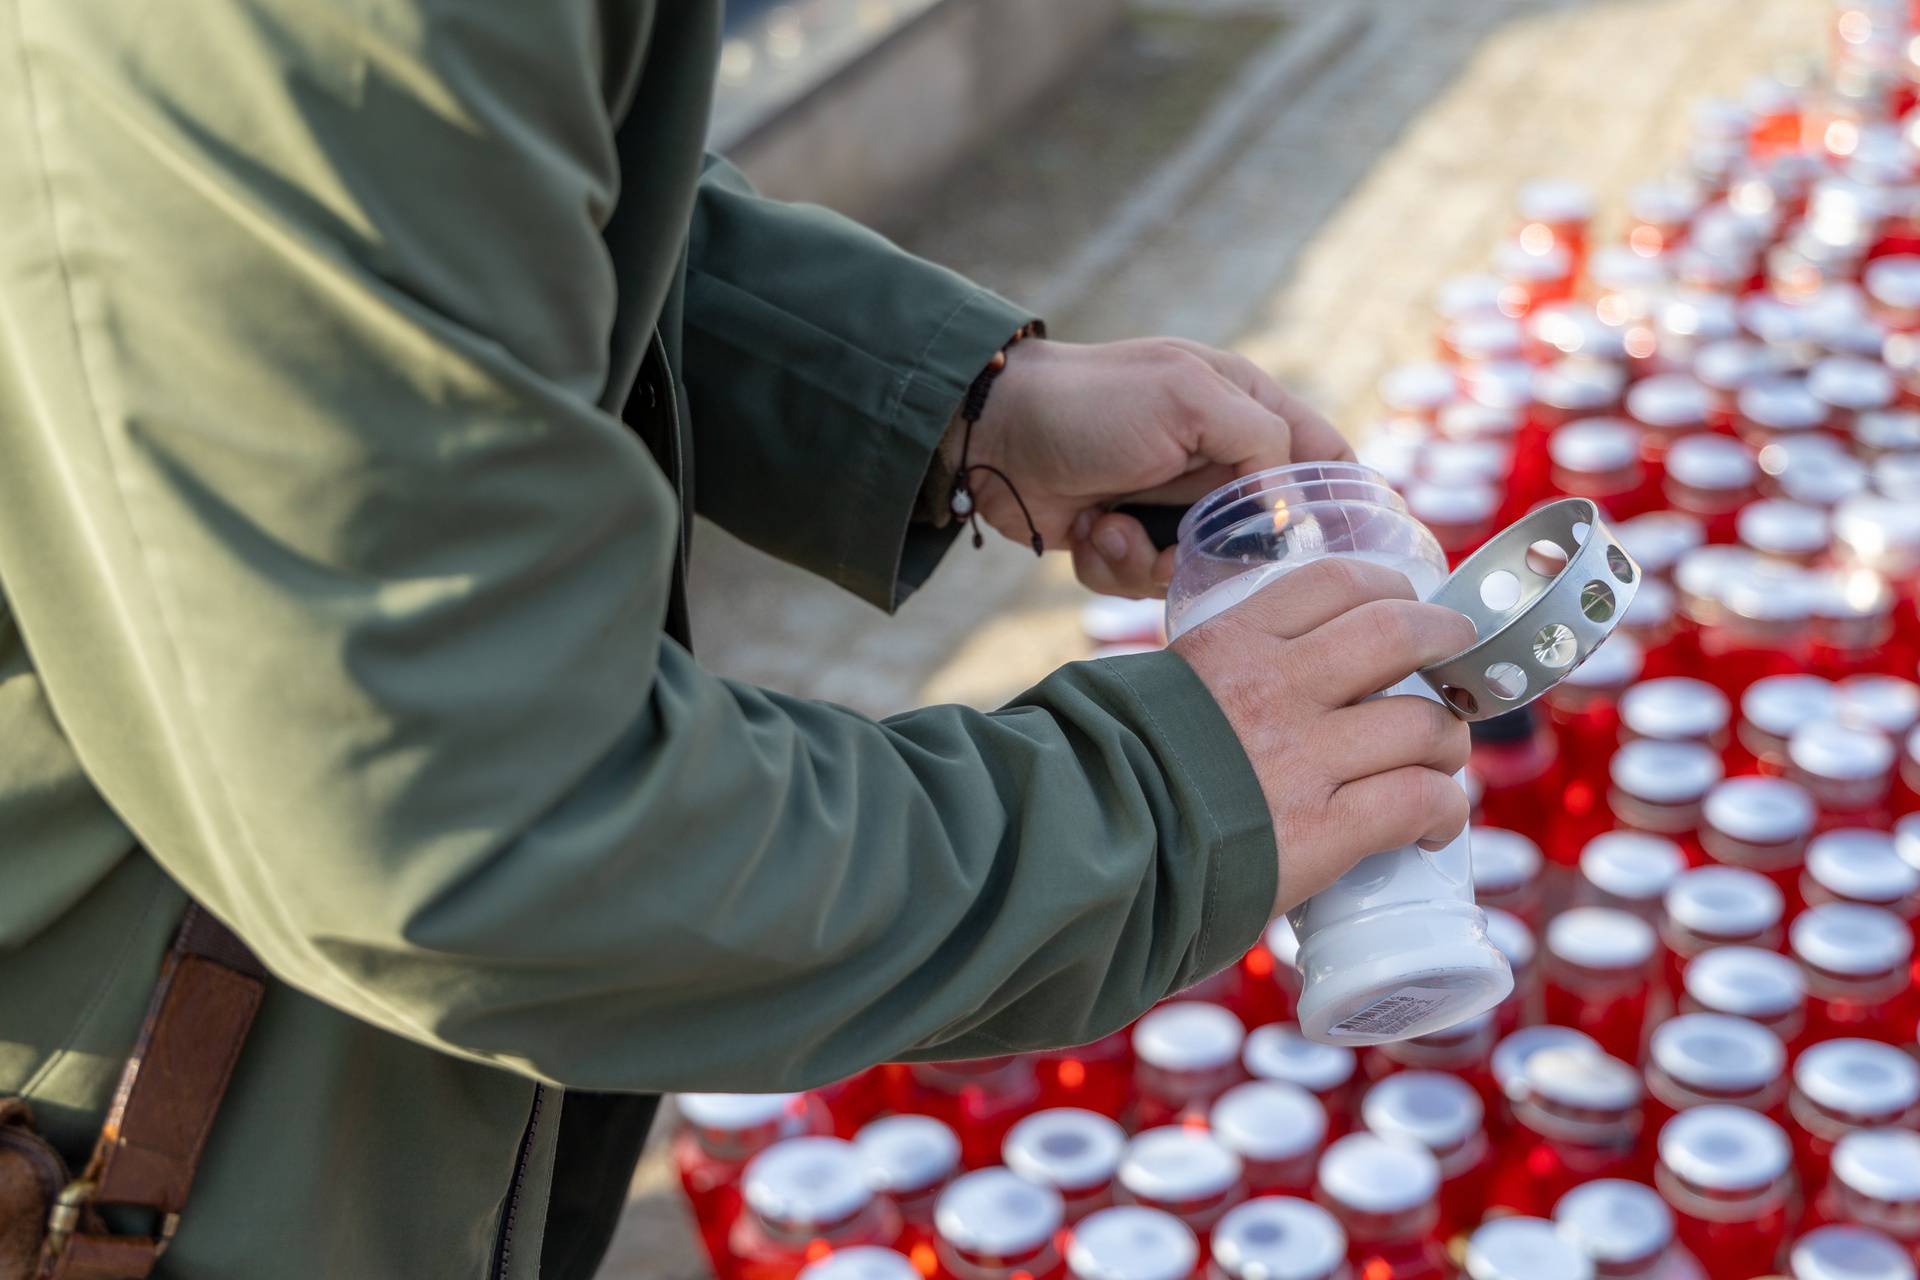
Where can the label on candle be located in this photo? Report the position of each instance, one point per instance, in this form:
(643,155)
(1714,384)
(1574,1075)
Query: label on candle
(1390,1015)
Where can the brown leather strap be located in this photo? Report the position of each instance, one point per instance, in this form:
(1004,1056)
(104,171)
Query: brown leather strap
(209,990)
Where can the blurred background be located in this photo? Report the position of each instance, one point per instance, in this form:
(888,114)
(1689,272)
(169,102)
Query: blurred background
(1289,178)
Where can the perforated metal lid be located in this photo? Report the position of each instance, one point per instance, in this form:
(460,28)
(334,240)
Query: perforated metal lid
(1674,707)
(907,1153)
(1502,859)
(1839,751)
(861,1262)
(1278,1051)
(1614,1221)
(1858,1077)
(1174,1164)
(1268,1120)
(1436,1110)
(1665,772)
(1188,1035)
(1669,402)
(1783,528)
(1848,1253)
(1132,1242)
(1850,940)
(1510,937)
(1379,1175)
(1067,1148)
(1600,938)
(1417,388)
(1584,1078)
(807,1181)
(1723,1148)
(1717,1053)
(1861,865)
(733,1112)
(1511,1055)
(998,1213)
(1278,1238)
(1749,982)
(1524,1249)
(1777,705)
(1881,1164)
(1631,865)
(1711,462)
(1890,704)
(1760,810)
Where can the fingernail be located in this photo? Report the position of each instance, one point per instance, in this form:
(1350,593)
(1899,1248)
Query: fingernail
(1081,524)
(1111,543)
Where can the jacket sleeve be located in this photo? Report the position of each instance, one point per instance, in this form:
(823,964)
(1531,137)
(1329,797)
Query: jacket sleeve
(350,598)
(823,364)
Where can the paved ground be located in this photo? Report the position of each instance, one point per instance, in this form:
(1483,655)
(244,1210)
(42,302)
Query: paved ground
(1351,159)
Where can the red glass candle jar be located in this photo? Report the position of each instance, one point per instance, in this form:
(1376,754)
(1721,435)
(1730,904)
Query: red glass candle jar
(1626,1229)
(1667,407)
(1578,1119)
(1842,1087)
(1097,1076)
(1907,796)
(862,1262)
(1763,987)
(1882,533)
(1629,871)
(993,1224)
(1132,1242)
(805,1198)
(1771,709)
(1279,1052)
(717,1135)
(1384,1195)
(1727,1174)
(1184,1171)
(1848,386)
(1848,769)
(1659,787)
(1685,323)
(910,1160)
(1524,1004)
(1712,907)
(1584,710)
(1858,865)
(1588,330)
(1185,1055)
(1554,213)
(1849,1253)
(1875,1182)
(1418,390)
(1464,1050)
(1575,387)
(1709,1059)
(1676,709)
(1762,623)
(1599,966)
(1486,340)
(1852,622)
(1516,756)
(979,1099)
(1279,1238)
(1446,1116)
(1461,516)
(1658,213)
(1711,477)
(1855,961)
(1511,1056)
(1523,1249)
(1278,1131)
(1780,530)
(1652,621)
(1536,278)
(1599,458)
(1761,825)
(1506,872)
(1076,1152)
(1727,366)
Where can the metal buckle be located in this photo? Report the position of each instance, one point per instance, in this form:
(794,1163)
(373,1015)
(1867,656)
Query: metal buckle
(64,1218)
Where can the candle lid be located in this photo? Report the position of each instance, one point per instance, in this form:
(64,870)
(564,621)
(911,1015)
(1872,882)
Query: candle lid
(1670,402)
(1703,573)
(1174,1164)
(1473,295)
(1777,705)
(732,1112)
(1465,420)
(1278,1051)
(1760,810)
(1515,261)
(1858,1077)
(1600,938)
(1724,902)
(1658,540)
(1417,388)
(1834,750)
(1888,430)
(1861,865)
(861,1262)
(1511,1055)
(1188,1035)
(807,1181)
(1724,1148)
(1584,1078)
(1632,865)
(1524,1249)
(1774,320)
(1897,476)
(1581,384)
(1279,1238)
(1379,1175)
(1674,707)
(1268,1120)
(1887,703)
(1881,1164)
(1502,859)
(1664,201)
(1748,982)
(1848,1253)
(1783,528)
(1848,332)
(907,1153)
(1850,940)
(1453,503)
(1465,462)
(1436,1110)
(1851,382)
(1813,470)
(1712,1051)
(1500,384)
(1613,664)
(1652,606)
(1067,1148)
(1511,938)
(1617,269)
(1132,1242)
(1698,315)
(1594,445)
(1710,462)
(1731,363)
(1483,338)
(1615,1222)
(1664,772)
(1555,200)
(997,1213)
(1765,590)
(1894,281)
(1879,532)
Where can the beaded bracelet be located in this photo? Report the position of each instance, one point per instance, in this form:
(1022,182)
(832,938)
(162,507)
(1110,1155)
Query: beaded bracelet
(961,502)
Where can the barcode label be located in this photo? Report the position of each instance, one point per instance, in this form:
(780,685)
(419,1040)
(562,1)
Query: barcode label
(1390,1015)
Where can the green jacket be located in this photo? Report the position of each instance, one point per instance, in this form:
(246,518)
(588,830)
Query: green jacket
(334,578)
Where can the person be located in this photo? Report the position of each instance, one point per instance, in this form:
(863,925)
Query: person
(360,371)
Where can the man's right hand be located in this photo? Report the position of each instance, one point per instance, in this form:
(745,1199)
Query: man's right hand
(1343,777)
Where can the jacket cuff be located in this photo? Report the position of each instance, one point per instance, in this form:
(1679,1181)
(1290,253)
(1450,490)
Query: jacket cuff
(1218,792)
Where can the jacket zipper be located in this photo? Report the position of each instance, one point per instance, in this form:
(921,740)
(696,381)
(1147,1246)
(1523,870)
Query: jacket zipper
(503,1246)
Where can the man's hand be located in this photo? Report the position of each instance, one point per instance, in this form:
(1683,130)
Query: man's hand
(1079,428)
(1343,778)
